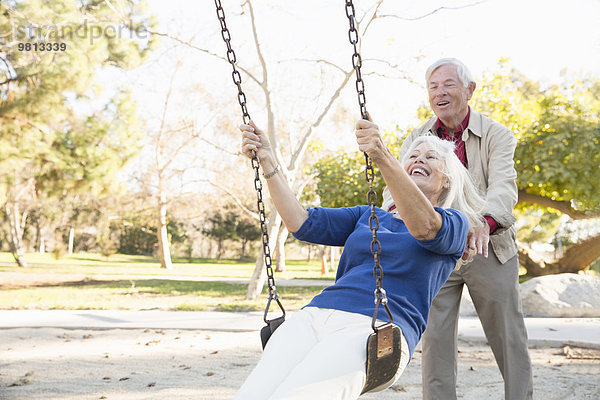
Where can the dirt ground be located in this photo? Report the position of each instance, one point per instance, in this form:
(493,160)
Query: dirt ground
(51,363)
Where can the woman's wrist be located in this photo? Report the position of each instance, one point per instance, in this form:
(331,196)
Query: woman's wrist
(385,160)
(272,173)
(268,164)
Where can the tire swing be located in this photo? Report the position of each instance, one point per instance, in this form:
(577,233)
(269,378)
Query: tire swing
(383,345)
(272,324)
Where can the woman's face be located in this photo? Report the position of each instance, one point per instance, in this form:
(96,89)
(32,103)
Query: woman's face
(426,168)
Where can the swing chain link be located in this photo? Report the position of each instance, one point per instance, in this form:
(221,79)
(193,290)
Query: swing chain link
(237,80)
(380,294)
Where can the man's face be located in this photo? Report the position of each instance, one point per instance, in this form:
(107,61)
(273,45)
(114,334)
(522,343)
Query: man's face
(448,97)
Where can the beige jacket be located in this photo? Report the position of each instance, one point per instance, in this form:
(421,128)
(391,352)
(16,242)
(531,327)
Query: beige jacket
(490,150)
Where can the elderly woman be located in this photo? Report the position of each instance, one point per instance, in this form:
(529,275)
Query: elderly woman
(319,353)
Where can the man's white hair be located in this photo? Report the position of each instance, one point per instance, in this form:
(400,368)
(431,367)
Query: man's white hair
(464,75)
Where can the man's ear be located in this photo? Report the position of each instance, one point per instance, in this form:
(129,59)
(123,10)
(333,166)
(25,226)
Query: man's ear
(471,88)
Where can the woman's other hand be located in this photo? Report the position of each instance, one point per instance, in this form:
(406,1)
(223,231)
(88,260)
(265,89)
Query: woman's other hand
(255,139)
(369,139)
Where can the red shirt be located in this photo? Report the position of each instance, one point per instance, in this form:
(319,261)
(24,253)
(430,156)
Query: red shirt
(456,137)
(461,152)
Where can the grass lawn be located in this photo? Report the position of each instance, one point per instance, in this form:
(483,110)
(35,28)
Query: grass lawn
(90,281)
(122,264)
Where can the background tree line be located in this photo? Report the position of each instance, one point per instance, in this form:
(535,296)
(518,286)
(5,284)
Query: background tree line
(65,142)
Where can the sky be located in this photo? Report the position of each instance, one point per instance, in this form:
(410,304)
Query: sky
(542,38)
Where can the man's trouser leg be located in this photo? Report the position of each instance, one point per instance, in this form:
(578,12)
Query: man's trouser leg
(494,289)
(439,342)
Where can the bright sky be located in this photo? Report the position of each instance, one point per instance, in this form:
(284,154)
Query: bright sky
(541,37)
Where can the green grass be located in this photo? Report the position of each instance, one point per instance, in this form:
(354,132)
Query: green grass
(163,294)
(89,281)
(121,264)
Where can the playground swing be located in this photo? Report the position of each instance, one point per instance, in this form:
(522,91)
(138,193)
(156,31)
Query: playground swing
(383,345)
(272,324)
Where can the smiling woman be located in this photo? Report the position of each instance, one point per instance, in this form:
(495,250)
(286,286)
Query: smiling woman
(317,340)
(435,156)
(426,168)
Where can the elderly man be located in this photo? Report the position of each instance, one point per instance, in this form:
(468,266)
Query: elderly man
(486,148)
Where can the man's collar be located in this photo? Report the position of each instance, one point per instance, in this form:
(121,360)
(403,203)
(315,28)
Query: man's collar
(474,126)
(463,125)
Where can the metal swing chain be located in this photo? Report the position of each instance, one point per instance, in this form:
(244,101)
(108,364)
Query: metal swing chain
(380,294)
(237,80)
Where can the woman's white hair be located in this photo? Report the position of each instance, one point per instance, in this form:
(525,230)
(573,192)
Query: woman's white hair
(461,194)
(461,70)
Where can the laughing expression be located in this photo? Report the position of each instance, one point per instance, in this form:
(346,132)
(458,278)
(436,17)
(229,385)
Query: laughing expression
(448,97)
(426,169)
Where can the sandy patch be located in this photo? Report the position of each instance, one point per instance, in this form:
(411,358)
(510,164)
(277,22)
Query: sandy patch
(51,363)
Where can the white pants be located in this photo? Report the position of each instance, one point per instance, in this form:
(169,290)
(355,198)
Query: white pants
(316,354)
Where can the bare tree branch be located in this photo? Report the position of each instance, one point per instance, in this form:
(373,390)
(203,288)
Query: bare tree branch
(216,146)
(431,12)
(301,148)
(376,6)
(302,145)
(396,67)
(318,61)
(233,197)
(186,43)
(163,122)
(203,50)
(562,206)
(26,121)
(259,53)
(8,80)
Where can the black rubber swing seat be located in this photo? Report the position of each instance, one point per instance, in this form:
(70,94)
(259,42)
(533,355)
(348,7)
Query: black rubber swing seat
(383,357)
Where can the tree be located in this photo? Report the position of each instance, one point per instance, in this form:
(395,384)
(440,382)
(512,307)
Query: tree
(294,158)
(137,238)
(557,158)
(221,227)
(268,83)
(340,179)
(557,161)
(48,145)
(247,231)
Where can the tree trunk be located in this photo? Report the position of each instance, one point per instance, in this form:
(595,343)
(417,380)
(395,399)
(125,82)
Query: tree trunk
(163,239)
(562,206)
(243,253)
(576,258)
(309,253)
(40,241)
(210,247)
(16,232)
(42,245)
(280,249)
(219,249)
(259,275)
(71,239)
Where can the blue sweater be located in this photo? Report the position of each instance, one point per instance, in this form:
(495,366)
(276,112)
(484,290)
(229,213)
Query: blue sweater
(413,270)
